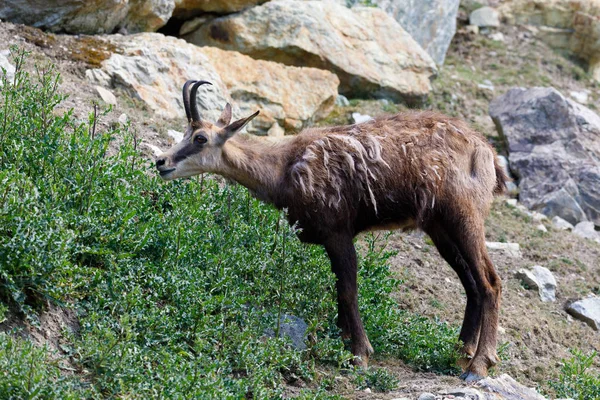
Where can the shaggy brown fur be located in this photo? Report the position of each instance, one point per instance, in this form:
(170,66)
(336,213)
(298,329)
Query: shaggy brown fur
(411,170)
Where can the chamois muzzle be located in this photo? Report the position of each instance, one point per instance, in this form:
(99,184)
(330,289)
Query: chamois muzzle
(189,99)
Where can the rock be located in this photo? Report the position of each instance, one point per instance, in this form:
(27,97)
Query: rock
(367,49)
(292,327)
(367,390)
(580,97)
(485,17)
(184,9)
(553,148)
(439,16)
(472,29)
(561,224)
(7,66)
(90,17)
(541,228)
(586,230)
(360,118)
(123,119)
(155,150)
(569,26)
(540,279)
(175,135)
(497,37)
(487,85)
(587,310)
(510,249)
(106,95)
(511,202)
(464,393)
(427,396)
(292,97)
(152,68)
(506,388)
(275,130)
(342,101)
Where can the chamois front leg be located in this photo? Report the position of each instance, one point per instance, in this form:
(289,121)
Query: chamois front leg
(342,254)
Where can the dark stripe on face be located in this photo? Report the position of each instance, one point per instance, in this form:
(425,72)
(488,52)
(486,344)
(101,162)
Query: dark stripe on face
(187,151)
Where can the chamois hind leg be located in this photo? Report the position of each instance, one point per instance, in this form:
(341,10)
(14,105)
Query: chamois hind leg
(342,254)
(467,232)
(469,333)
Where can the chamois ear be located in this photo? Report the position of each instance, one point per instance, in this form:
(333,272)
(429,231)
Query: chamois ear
(235,127)
(225,117)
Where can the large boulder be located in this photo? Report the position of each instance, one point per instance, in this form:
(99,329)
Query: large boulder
(569,25)
(288,97)
(372,55)
(554,148)
(152,68)
(438,16)
(190,8)
(96,16)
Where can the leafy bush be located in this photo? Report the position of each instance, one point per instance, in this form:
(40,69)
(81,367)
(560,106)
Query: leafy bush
(175,284)
(576,380)
(377,379)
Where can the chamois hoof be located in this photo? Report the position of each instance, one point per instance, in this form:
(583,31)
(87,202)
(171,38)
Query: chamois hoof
(471,377)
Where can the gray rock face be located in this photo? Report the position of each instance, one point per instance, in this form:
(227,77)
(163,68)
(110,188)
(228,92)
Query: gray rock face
(372,55)
(540,279)
(432,23)
(485,17)
(587,310)
(554,148)
(95,16)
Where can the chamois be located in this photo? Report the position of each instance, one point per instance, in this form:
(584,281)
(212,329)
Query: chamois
(413,170)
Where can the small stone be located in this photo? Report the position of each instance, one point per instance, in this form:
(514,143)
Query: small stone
(275,130)
(587,310)
(106,95)
(342,101)
(511,202)
(367,390)
(538,217)
(497,37)
(123,118)
(501,330)
(485,17)
(510,249)
(487,85)
(540,279)
(360,118)
(156,150)
(177,136)
(505,387)
(586,230)
(580,97)
(474,29)
(562,224)
(541,228)
(427,396)
(5,63)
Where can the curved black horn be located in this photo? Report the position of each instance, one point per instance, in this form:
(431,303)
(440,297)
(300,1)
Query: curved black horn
(193,107)
(186,98)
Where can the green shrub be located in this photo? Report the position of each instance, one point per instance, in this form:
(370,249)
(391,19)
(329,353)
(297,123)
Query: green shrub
(175,284)
(576,380)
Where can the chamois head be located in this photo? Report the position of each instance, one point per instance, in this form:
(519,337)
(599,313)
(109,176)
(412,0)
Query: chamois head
(200,149)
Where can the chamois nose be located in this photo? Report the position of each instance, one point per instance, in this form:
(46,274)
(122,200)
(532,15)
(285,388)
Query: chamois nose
(160,162)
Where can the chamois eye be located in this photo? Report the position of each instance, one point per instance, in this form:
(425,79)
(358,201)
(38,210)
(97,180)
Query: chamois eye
(200,139)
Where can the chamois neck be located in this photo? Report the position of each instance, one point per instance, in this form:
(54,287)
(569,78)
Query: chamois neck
(255,162)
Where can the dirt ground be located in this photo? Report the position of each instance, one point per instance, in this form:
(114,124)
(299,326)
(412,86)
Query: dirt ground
(534,336)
